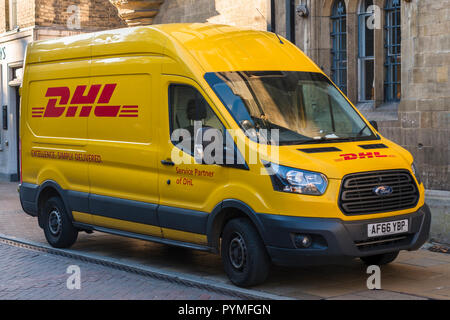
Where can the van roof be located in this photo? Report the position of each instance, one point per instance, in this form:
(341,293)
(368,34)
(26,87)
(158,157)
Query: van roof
(214,47)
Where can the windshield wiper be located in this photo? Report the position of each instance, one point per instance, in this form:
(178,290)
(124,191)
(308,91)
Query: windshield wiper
(361,131)
(326,140)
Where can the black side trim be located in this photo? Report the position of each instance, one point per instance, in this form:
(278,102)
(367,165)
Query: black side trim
(129,210)
(318,150)
(183,219)
(342,237)
(373,146)
(28,194)
(78,201)
(142,237)
(219,215)
(117,208)
(52,185)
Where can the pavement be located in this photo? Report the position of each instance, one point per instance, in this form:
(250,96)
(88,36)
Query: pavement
(416,275)
(27,274)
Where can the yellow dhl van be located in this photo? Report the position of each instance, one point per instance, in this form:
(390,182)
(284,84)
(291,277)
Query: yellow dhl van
(114,133)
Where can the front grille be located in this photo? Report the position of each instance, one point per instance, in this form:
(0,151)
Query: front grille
(357,195)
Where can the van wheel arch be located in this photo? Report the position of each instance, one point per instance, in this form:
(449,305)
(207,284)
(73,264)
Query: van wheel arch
(47,190)
(223,213)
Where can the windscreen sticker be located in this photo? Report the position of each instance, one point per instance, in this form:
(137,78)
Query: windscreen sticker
(363,155)
(81,104)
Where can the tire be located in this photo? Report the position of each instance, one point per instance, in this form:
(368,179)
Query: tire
(244,255)
(380,259)
(58,228)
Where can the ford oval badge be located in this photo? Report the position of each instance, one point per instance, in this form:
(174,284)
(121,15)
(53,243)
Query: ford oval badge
(382,191)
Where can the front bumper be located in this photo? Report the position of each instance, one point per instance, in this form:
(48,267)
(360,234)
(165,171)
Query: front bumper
(335,240)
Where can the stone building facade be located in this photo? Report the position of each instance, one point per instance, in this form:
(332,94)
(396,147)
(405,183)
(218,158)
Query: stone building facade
(41,14)
(23,21)
(247,14)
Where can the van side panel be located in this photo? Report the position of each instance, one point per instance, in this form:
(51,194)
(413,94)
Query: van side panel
(54,137)
(121,132)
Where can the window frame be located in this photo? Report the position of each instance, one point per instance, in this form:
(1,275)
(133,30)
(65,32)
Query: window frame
(338,38)
(392,80)
(362,55)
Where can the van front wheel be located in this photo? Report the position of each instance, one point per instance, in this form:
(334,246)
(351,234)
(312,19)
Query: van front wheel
(244,256)
(58,229)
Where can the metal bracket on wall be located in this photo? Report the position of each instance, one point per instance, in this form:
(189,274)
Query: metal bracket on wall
(5,117)
(302,10)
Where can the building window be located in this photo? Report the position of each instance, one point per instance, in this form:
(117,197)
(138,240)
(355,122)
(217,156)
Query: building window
(339,45)
(12,14)
(392,84)
(365,51)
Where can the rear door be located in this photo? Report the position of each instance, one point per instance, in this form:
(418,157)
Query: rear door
(53,136)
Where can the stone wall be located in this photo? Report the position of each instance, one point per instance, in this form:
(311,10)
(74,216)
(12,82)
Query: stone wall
(439,203)
(94,14)
(3,16)
(231,12)
(25,13)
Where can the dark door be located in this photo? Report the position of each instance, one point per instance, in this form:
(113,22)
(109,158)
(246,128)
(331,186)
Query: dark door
(16,89)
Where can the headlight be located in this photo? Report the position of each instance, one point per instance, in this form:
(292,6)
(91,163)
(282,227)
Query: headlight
(292,180)
(416,173)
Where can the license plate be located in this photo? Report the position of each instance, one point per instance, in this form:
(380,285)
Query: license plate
(387,228)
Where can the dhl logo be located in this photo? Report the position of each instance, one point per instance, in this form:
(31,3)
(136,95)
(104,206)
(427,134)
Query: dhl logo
(83,103)
(362,155)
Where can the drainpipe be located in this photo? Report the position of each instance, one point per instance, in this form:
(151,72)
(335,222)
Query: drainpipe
(271,26)
(290,20)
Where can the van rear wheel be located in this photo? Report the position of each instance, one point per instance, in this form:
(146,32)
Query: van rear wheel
(58,228)
(244,255)
(380,259)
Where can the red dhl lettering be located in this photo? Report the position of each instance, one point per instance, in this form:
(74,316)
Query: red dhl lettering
(83,102)
(362,155)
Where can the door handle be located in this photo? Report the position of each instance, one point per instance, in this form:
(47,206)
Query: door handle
(167,162)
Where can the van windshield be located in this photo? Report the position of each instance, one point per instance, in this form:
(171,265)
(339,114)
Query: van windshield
(304,107)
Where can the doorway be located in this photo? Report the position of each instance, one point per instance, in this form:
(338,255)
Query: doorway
(17,133)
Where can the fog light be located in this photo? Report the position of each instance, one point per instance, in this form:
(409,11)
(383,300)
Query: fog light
(302,241)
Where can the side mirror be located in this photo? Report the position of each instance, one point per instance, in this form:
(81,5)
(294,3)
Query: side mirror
(374,124)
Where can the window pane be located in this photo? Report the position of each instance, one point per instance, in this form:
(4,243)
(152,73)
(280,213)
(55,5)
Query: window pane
(190,111)
(368,41)
(369,78)
(300,105)
(339,43)
(393,50)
